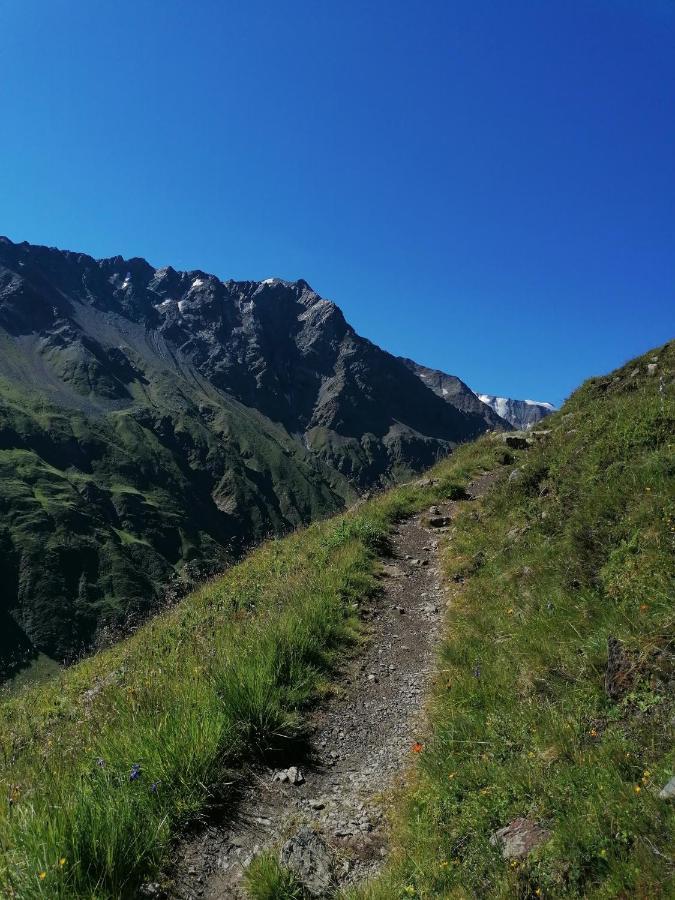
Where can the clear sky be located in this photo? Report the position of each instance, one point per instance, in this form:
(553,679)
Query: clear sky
(488,187)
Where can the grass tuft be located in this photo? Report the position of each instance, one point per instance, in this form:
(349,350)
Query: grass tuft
(267,879)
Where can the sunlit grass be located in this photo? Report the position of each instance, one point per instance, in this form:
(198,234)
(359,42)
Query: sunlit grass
(106,762)
(579,549)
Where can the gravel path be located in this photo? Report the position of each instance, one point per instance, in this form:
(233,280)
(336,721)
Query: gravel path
(360,741)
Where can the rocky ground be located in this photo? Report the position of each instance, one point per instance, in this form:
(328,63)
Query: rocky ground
(360,742)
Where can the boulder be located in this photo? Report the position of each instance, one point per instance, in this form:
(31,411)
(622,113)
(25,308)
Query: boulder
(519,837)
(667,792)
(436,521)
(307,856)
(517,440)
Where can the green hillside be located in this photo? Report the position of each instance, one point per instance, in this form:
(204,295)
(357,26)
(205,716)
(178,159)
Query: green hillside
(575,548)
(104,516)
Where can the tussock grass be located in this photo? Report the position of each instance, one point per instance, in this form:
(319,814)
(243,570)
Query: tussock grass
(267,879)
(103,765)
(579,549)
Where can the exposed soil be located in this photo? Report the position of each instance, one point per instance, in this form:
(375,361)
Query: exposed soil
(360,741)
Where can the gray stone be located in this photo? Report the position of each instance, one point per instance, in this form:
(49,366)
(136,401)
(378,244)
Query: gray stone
(667,792)
(517,440)
(437,521)
(292,775)
(515,476)
(309,859)
(519,837)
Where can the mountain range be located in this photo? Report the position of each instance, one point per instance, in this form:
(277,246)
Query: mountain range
(519,413)
(153,423)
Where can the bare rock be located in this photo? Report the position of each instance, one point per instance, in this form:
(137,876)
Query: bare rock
(519,837)
(292,775)
(667,792)
(436,521)
(307,856)
(517,440)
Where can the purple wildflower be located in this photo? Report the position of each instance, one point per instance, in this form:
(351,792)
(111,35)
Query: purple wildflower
(135,772)
(154,786)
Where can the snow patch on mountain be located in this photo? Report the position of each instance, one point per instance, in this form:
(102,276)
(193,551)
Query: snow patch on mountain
(519,413)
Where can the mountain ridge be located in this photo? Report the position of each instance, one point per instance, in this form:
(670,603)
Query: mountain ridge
(521,414)
(154,422)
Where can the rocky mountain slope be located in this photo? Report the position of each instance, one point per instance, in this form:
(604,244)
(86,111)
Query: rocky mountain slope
(496,412)
(154,421)
(519,413)
(457,394)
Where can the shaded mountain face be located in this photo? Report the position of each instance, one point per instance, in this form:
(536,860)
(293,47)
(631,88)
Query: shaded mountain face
(154,422)
(519,413)
(457,394)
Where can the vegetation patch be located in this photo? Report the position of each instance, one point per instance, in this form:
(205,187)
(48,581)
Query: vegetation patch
(104,765)
(554,702)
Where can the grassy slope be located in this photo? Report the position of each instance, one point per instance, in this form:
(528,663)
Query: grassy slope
(98,513)
(230,669)
(579,549)
(225,673)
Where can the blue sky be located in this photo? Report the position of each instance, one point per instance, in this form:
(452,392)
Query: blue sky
(488,187)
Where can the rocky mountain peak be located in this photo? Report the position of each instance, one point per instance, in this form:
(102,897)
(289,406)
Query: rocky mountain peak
(164,418)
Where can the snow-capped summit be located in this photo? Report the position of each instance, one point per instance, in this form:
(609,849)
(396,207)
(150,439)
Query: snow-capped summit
(519,413)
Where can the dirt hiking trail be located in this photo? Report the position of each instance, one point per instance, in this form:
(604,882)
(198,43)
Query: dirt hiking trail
(360,741)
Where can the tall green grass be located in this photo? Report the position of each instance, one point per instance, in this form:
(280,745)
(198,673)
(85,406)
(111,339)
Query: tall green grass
(104,765)
(579,549)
